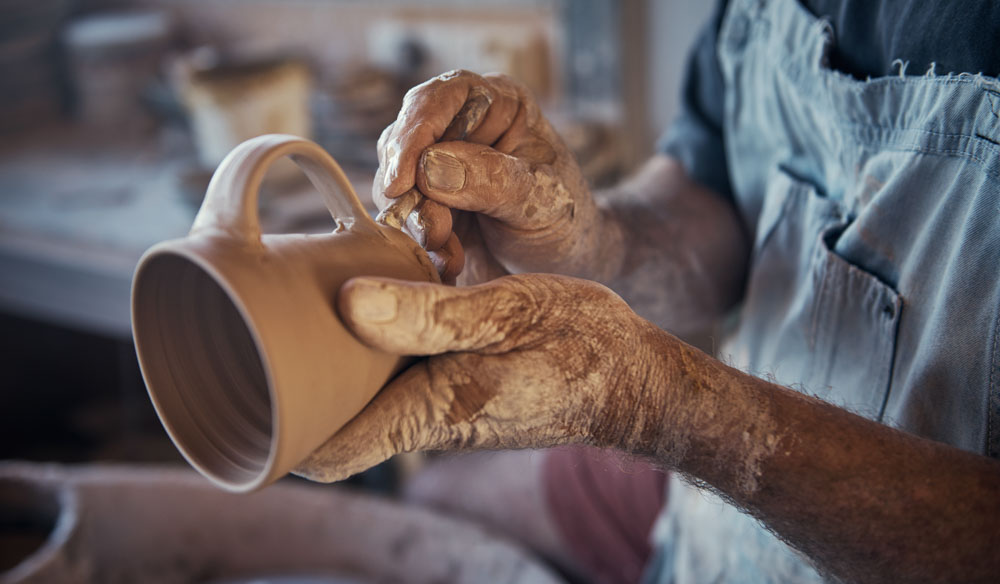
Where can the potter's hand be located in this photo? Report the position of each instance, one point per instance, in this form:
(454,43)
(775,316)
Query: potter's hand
(518,362)
(529,208)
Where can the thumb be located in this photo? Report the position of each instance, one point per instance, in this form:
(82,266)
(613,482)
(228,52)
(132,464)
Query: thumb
(415,318)
(473,177)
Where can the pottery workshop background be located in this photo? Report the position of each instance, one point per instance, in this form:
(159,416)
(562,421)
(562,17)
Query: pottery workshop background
(113,115)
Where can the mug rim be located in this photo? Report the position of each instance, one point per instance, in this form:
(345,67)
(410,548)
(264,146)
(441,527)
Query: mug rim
(179,248)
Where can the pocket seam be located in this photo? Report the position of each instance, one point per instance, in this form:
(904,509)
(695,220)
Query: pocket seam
(838,271)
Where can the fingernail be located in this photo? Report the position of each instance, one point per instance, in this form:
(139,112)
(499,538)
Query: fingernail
(443,171)
(373,304)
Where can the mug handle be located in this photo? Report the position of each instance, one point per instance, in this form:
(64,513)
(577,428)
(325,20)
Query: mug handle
(230,206)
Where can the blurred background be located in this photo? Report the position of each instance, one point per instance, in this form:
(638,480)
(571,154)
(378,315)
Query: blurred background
(113,115)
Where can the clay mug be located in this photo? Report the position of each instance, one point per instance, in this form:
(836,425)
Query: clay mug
(237,333)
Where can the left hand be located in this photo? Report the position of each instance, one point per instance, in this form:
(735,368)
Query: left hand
(519,199)
(523,361)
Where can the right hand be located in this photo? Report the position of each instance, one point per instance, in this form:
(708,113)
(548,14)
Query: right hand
(525,361)
(523,203)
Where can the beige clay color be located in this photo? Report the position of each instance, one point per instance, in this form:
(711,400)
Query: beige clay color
(240,345)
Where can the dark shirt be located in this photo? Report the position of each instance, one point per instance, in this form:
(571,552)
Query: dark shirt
(956,36)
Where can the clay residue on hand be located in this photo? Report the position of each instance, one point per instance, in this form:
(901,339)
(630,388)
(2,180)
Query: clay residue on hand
(468,402)
(724,424)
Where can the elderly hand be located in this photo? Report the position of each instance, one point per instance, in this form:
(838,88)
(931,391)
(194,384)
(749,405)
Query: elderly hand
(531,208)
(518,362)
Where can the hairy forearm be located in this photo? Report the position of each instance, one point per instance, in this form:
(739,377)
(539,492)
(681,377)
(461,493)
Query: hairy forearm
(866,502)
(685,248)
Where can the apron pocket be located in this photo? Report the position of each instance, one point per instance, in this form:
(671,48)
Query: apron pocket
(853,331)
(810,319)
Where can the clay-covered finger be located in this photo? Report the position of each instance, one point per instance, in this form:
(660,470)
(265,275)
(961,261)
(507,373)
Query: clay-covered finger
(395,213)
(472,177)
(449,259)
(508,97)
(428,110)
(415,318)
(429,224)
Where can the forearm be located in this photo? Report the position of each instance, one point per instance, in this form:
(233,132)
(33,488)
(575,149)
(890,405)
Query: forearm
(685,248)
(866,502)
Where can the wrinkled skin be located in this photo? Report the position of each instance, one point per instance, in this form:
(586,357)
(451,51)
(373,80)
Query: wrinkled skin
(538,360)
(518,362)
(520,201)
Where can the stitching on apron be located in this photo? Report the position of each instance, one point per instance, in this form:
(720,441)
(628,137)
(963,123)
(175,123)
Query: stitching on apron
(987,138)
(794,74)
(952,153)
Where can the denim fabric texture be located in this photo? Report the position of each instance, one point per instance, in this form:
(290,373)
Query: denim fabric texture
(875,276)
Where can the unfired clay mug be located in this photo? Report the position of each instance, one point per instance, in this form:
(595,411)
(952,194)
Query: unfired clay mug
(240,345)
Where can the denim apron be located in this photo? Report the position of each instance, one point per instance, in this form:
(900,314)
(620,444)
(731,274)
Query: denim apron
(875,275)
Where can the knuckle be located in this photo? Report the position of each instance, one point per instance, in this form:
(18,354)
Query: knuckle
(455,74)
(419,132)
(558,301)
(436,83)
(514,313)
(533,294)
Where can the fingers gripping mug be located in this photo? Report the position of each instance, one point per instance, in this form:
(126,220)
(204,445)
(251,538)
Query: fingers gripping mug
(238,338)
